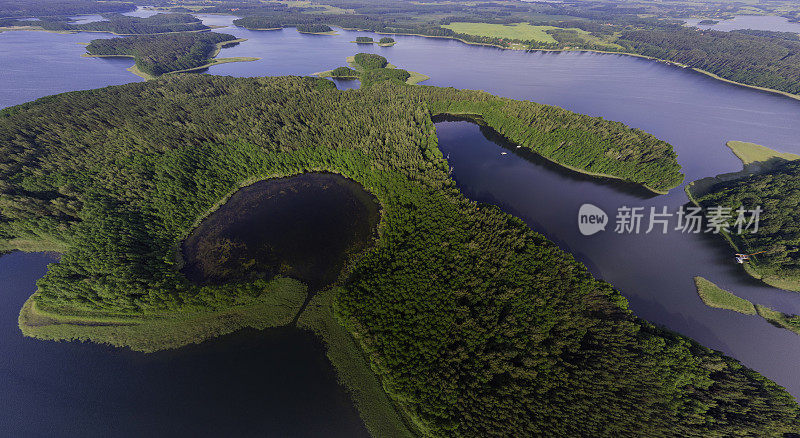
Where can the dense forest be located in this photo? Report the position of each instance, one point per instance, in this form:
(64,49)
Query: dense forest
(778,194)
(314,28)
(125,25)
(753,60)
(791,36)
(47,8)
(160,54)
(344,72)
(370,60)
(476,325)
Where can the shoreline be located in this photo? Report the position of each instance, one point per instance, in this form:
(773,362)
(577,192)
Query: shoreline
(700,187)
(607,52)
(477,119)
(375,42)
(333,32)
(72,32)
(286,302)
(213,60)
(414,79)
(278,306)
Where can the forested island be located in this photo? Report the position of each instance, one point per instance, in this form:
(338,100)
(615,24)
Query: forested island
(473,324)
(319,29)
(370,68)
(117,24)
(61,8)
(156,55)
(383,42)
(770,181)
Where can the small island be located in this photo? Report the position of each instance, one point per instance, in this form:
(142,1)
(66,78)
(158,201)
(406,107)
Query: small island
(369,68)
(708,22)
(315,29)
(718,298)
(259,23)
(383,42)
(770,180)
(157,55)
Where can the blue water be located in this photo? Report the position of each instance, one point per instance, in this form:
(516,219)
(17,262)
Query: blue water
(757,22)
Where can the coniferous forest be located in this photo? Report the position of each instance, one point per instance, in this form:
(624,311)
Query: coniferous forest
(125,25)
(777,241)
(475,324)
(763,61)
(160,54)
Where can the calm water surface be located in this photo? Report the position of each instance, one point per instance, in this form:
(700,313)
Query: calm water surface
(691,111)
(758,22)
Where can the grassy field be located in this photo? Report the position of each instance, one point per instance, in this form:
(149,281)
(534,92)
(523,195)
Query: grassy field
(520,31)
(789,322)
(714,296)
(751,153)
(276,306)
(755,159)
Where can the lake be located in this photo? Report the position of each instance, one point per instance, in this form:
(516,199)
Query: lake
(303,227)
(756,22)
(693,112)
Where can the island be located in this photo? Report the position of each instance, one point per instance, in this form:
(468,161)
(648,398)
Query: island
(369,67)
(116,24)
(456,319)
(708,22)
(716,297)
(383,42)
(769,180)
(315,29)
(156,55)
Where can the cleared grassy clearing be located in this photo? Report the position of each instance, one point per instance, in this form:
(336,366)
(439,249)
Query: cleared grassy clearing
(519,31)
(714,296)
(750,152)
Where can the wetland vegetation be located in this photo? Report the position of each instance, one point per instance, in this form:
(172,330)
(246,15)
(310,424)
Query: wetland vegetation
(714,296)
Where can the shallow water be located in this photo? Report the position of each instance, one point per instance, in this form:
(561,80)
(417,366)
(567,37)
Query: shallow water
(276,382)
